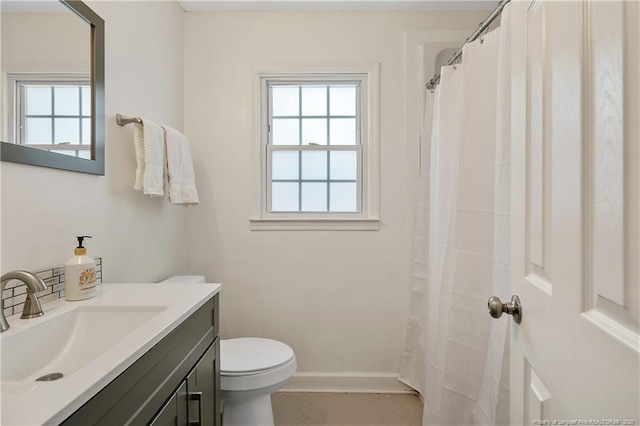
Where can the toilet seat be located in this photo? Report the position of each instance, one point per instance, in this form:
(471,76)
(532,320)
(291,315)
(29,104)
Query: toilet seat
(252,363)
(252,355)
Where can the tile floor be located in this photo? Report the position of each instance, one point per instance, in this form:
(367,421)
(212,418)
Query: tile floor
(346,409)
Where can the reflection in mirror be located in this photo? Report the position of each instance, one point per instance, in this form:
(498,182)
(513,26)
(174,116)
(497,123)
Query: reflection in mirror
(52,69)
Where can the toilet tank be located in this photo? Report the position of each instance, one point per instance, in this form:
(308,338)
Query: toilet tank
(185,279)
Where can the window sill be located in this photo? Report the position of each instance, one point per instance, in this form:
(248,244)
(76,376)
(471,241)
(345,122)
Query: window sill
(324,224)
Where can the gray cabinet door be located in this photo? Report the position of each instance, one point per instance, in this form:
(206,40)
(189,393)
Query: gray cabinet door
(174,412)
(202,390)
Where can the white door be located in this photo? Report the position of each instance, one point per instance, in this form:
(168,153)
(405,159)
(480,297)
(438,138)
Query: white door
(575,189)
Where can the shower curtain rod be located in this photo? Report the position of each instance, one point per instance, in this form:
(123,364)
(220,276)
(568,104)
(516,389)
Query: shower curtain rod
(483,26)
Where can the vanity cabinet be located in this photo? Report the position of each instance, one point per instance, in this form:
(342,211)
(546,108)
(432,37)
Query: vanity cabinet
(194,403)
(177,382)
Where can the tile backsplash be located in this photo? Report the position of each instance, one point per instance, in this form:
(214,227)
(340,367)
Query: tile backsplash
(15,292)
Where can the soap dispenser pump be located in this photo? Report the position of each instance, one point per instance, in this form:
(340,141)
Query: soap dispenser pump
(80,274)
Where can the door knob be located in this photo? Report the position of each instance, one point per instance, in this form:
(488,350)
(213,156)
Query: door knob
(497,308)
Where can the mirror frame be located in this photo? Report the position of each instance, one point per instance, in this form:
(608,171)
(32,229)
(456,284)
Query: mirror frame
(25,155)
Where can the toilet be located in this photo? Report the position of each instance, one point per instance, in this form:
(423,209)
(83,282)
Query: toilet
(251,369)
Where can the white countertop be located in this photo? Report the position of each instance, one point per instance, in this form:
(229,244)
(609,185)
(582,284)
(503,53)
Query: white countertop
(52,402)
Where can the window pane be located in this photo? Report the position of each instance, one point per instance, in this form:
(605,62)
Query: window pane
(67,130)
(38,130)
(343,197)
(66,101)
(38,100)
(314,197)
(70,152)
(285,100)
(314,165)
(284,197)
(284,165)
(86,131)
(314,130)
(314,100)
(342,100)
(344,165)
(86,100)
(342,131)
(286,131)
(84,153)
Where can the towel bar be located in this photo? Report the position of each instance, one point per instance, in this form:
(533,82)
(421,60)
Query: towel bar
(123,120)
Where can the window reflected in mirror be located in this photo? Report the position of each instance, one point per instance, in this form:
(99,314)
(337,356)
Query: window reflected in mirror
(53,112)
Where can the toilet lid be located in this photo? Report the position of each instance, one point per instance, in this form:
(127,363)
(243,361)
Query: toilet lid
(252,354)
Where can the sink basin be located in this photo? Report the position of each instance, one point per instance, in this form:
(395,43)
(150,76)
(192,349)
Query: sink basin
(89,342)
(69,341)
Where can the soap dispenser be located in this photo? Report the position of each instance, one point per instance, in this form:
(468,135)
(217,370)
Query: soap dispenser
(80,274)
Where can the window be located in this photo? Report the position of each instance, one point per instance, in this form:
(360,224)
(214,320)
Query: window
(53,112)
(317,151)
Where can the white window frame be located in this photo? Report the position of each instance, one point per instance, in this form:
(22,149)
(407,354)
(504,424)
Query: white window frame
(367,216)
(16,109)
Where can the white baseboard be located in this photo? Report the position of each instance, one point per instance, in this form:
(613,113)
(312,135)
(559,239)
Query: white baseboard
(346,382)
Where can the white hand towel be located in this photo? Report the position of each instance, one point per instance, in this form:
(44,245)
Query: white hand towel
(148,139)
(182,180)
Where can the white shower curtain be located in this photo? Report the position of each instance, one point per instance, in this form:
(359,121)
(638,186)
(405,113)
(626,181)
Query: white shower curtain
(455,355)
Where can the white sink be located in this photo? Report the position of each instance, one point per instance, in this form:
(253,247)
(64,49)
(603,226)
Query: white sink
(70,340)
(91,342)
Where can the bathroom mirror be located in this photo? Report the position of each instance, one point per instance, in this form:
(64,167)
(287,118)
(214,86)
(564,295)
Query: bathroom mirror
(52,69)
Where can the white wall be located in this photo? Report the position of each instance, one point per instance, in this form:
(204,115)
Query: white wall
(139,239)
(31,42)
(338,298)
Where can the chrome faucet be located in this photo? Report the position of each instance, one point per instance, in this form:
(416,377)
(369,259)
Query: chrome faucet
(32,306)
